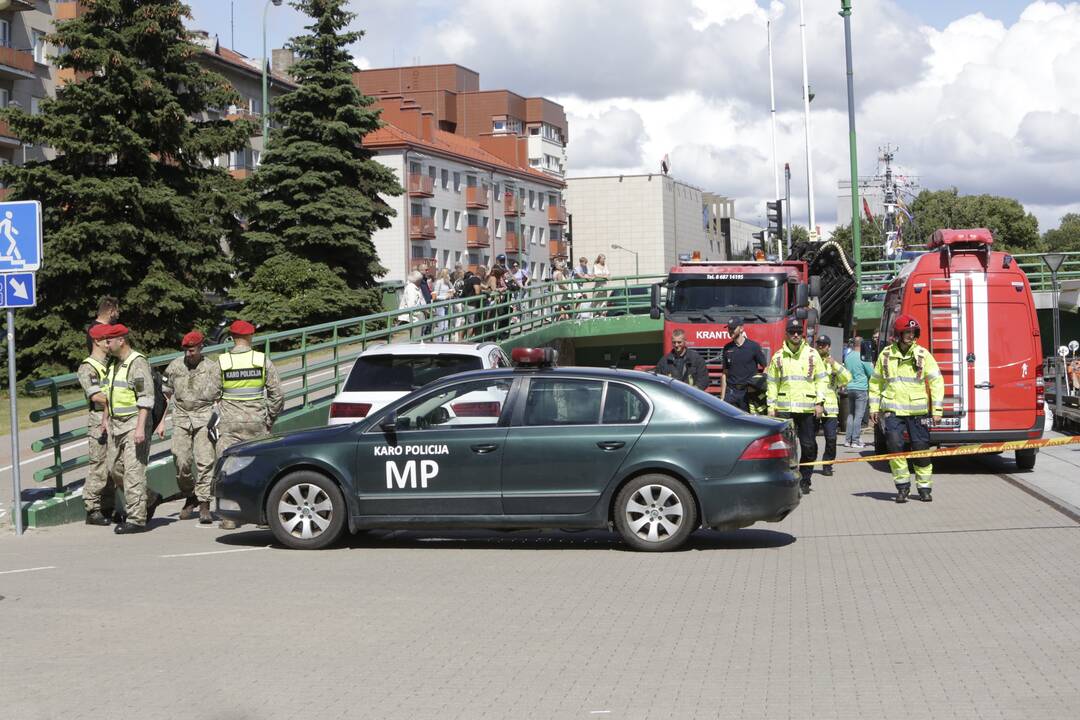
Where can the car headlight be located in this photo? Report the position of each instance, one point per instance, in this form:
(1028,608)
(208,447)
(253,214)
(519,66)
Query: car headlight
(235,463)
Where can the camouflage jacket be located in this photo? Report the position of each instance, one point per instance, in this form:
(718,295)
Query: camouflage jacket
(192,391)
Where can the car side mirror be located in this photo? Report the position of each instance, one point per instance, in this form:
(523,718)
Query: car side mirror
(815,286)
(801,313)
(802,293)
(654,301)
(389,422)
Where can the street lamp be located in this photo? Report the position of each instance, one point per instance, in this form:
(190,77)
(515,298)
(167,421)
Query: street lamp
(637,266)
(856,218)
(265,62)
(1054,261)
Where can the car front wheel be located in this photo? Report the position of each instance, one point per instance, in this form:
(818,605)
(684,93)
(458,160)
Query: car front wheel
(306,511)
(655,513)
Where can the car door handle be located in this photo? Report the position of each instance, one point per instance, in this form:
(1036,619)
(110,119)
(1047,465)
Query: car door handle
(484,449)
(610,445)
(984,385)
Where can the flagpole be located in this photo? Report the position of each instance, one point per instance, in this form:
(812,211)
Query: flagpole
(772,114)
(806,113)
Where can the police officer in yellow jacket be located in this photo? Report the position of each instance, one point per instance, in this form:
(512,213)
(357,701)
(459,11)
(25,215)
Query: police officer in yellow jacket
(900,402)
(251,393)
(796,390)
(837,376)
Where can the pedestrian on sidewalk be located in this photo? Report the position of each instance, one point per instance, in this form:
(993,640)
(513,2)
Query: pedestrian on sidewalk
(99,492)
(193,385)
(796,390)
(857,393)
(837,378)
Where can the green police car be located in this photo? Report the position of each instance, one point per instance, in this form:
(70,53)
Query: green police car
(547,447)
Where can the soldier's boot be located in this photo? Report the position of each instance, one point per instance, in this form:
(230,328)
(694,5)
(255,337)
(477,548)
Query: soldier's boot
(126,528)
(924,494)
(227,524)
(152,503)
(804,486)
(902,492)
(190,509)
(119,517)
(204,513)
(97,518)
(827,471)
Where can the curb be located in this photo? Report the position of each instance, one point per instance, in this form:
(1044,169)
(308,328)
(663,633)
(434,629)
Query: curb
(1067,509)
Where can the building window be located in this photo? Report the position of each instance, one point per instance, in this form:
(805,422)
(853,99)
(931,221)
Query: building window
(255,106)
(534,162)
(532,200)
(431,174)
(534,130)
(540,234)
(5,97)
(5,33)
(497,186)
(473,220)
(498,228)
(457,182)
(416,210)
(415,168)
(498,126)
(540,200)
(470,181)
(445,218)
(37,39)
(457,220)
(445,179)
(553,200)
(256,158)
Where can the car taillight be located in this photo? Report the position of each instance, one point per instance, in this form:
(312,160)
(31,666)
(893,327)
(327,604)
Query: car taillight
(767,448)
(349,410)
(476,409)
(1040,384)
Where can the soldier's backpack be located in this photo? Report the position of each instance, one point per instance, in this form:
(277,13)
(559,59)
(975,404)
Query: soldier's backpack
(160,401)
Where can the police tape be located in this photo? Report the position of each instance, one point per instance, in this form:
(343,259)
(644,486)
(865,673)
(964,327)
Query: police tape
(981,449)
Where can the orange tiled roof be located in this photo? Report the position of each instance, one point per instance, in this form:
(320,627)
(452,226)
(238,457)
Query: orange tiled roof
(241,61)
(450,144)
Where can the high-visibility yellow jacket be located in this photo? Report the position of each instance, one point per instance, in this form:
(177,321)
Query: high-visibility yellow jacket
(797,380)
(907,383)
(123,400)
(837,376)
(243,375)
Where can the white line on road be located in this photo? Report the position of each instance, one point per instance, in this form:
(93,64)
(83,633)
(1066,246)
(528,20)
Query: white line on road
(217,552)
(12,572)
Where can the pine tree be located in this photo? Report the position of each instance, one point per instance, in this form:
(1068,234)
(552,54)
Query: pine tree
(131,206)
(317,188)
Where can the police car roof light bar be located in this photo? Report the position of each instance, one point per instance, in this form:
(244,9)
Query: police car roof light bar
(534,357)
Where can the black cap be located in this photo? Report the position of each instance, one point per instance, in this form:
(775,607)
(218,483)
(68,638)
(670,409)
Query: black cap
(500,258)
(823,340)
(794,325)
(734,322)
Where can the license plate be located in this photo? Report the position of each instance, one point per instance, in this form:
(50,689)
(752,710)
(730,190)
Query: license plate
(948,423)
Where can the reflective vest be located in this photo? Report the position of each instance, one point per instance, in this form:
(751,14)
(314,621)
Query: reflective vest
(243,375)
(837,376)
(122,397)
(796,380)
(103,377)
(899,383)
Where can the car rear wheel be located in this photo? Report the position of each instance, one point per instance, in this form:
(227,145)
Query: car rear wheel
(1025,459)
(306,511)
(655,513)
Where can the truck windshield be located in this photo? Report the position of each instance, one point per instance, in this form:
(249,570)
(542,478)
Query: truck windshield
(764,297)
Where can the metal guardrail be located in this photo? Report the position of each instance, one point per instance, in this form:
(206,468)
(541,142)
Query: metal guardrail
(877,274)
(307,354)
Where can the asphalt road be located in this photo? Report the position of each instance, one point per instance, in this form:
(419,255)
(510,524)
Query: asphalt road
(852,607)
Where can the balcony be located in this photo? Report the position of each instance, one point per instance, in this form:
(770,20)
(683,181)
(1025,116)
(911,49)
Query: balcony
(421,185)
(477,237)
(16,64)
(7,136)
(65,9)
(556,215)
(512,205)
(421,228)
(476,198)
(416,262)
(557,247)
(242,172)
(513,245)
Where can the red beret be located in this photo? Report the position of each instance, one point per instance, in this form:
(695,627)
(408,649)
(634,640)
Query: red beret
(241,327)
(115,331)
(98,332)
(192,339)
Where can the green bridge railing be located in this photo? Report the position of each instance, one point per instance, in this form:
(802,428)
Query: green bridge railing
(877,274)
(314,361)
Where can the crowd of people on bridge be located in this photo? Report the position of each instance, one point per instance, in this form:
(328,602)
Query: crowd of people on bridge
(214,403)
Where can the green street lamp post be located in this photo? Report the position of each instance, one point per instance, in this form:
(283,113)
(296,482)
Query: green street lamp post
(265,83)
(856,220)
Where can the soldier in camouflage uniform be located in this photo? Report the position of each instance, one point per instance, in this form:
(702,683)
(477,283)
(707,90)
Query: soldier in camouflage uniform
(193,384)
(99,494)
(251,394)
(131,400)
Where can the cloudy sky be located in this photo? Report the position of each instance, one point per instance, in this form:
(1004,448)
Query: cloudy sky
(983,95)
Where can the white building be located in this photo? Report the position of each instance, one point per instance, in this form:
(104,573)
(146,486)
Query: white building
(655,216)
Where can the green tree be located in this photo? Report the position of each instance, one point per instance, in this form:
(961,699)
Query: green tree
(1015,229)
(870,239)
(1065,237)
(317,188)
(799,234)
(131,205)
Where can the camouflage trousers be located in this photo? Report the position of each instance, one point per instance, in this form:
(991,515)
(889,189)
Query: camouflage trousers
(99,492)
(194,456)
(231,432)
(127,465)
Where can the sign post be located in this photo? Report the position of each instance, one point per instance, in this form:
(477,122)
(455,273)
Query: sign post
(20,258)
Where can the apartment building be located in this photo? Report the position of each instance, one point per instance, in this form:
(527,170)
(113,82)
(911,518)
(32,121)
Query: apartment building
(462,203)
(656,218)
(529,132)
(729,238)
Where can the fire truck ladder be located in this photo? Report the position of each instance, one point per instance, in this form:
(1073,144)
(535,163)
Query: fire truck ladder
(946,342)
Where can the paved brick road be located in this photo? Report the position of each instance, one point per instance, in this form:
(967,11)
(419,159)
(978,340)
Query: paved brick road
(852,608)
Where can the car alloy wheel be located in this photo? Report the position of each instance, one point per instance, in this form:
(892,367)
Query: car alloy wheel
(306,511)
(655,512)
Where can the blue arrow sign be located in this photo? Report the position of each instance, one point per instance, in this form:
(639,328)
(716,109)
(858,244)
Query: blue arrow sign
(20,236)
(19,290)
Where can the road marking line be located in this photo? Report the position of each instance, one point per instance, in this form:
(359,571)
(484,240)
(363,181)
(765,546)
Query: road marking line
(47,455)
(599,712)
(216,552)
(12,572)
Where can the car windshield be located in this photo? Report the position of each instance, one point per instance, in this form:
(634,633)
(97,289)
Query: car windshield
(405,372)
(764,297)
(705,398)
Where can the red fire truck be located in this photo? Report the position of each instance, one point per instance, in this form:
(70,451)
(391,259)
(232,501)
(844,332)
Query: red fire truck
(978,319)
(702,295)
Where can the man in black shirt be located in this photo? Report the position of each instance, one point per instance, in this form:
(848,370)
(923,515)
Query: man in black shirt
(471,293)
(108,313)
(683,364)
(743,359)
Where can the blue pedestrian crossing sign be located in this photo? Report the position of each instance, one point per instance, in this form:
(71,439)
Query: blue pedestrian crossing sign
(20,236)
(19,290)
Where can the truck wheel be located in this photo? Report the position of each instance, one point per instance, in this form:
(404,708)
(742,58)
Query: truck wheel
(1025,459)
(306,511)
(655,513)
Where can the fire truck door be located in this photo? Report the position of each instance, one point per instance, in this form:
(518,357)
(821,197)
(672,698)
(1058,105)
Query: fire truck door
(1005,390)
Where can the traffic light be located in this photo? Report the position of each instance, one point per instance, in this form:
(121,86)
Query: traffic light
(774,211)
(759,237)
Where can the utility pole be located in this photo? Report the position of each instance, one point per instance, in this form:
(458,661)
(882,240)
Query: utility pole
(772,114)
(787,198)
(856,218)
(806,113)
